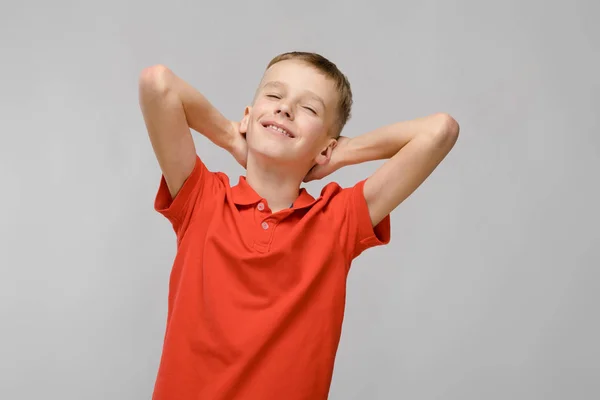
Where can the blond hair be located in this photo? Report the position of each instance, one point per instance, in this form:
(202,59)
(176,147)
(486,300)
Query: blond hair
(331,71)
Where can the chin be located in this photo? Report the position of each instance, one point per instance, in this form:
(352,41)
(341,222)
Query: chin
(271,152)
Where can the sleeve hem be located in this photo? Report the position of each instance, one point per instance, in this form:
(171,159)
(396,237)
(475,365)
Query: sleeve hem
(368,235)
(173,208)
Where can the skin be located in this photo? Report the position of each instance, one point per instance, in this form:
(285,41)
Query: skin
(304,102)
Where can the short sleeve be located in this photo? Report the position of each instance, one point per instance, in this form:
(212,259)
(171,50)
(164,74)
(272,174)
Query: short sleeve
(179,210)
(349,211)
(365,235)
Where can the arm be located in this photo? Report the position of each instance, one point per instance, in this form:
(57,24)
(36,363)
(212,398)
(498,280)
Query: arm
(414,149)
(170,108)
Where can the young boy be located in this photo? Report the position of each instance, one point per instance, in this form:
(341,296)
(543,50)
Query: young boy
(257,289)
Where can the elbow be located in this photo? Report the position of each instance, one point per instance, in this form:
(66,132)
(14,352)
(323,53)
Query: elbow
(155,79)
(446,128)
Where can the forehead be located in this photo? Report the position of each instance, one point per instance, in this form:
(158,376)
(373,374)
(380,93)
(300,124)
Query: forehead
(301,77)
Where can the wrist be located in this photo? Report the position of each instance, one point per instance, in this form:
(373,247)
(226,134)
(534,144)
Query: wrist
(229,136)
(342,155)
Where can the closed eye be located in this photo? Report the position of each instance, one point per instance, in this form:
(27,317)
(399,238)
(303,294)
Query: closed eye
(311,110)
(273,96)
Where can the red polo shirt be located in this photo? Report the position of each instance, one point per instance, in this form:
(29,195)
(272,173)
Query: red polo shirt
(256,299)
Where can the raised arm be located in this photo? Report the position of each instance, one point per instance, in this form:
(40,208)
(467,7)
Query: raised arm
(413,148)
(170,108)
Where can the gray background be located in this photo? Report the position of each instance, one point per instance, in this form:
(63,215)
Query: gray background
(489,288)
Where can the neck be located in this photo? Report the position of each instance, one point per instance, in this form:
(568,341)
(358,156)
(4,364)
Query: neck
(277,184)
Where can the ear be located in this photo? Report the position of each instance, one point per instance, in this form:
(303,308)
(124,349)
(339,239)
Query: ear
(245,121)
(325,155)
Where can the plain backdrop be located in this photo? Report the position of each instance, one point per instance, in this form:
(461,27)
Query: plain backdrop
(490,286)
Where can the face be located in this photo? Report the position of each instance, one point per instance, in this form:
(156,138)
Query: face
(292,115)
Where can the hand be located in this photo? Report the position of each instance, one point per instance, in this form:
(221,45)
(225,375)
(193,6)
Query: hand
(239,147)
(319,171)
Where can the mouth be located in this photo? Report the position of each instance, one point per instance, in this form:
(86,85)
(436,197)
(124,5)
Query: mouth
(277,128)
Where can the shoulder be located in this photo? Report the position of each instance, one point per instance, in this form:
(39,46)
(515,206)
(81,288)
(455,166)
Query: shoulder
(201,186)
(334,190)
(340,199)
(346,209)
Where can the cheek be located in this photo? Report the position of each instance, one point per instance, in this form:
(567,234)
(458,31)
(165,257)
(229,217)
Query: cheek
(251,133)
(314,129)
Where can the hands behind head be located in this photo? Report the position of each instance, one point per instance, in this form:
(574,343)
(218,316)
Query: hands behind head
(239,147)
(319,171)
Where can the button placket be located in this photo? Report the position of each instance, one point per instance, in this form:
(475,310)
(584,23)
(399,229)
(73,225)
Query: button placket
(262,240)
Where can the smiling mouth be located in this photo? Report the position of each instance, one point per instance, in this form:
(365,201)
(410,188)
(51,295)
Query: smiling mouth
(279,130)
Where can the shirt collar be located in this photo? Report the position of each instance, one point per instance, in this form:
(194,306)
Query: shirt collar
(243,194)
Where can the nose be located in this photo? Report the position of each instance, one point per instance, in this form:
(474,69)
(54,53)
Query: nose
(284,110)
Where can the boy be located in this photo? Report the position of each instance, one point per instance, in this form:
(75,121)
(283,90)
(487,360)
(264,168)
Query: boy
(257,288)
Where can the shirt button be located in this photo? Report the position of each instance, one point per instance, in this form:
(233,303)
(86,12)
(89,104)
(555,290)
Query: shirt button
(261,206)
(265,226)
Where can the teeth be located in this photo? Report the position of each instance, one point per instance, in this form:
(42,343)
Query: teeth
(279,130)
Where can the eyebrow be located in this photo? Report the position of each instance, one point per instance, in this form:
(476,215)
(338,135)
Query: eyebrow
(283,85)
